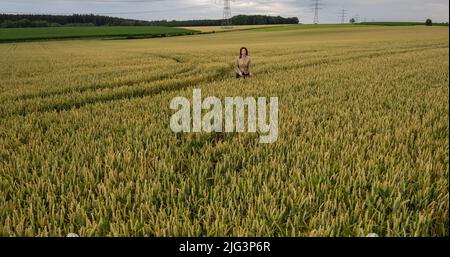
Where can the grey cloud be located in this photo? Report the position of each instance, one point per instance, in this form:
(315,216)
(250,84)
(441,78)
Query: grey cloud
(380,10)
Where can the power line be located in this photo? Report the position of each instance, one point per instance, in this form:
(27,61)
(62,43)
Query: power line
(226,18)
(343,15)
(226,13)
(316,6)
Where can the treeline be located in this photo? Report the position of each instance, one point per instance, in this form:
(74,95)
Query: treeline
(32,20)
(26,21)
(236,20)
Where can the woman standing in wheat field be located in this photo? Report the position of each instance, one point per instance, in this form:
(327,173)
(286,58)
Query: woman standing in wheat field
(243,64)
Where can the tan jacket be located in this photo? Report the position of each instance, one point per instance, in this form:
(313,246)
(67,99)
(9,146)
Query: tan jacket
(244,65)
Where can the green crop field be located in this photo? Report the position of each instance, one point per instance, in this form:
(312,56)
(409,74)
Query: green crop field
(29,34)
(387,23)
(86,147)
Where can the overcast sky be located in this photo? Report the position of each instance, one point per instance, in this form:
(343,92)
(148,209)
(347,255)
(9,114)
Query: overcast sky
(369,10)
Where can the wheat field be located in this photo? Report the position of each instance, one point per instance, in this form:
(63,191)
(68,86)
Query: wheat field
(85,143)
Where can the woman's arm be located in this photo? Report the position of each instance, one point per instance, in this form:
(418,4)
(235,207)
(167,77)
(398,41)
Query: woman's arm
(250,71)
(238,71)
